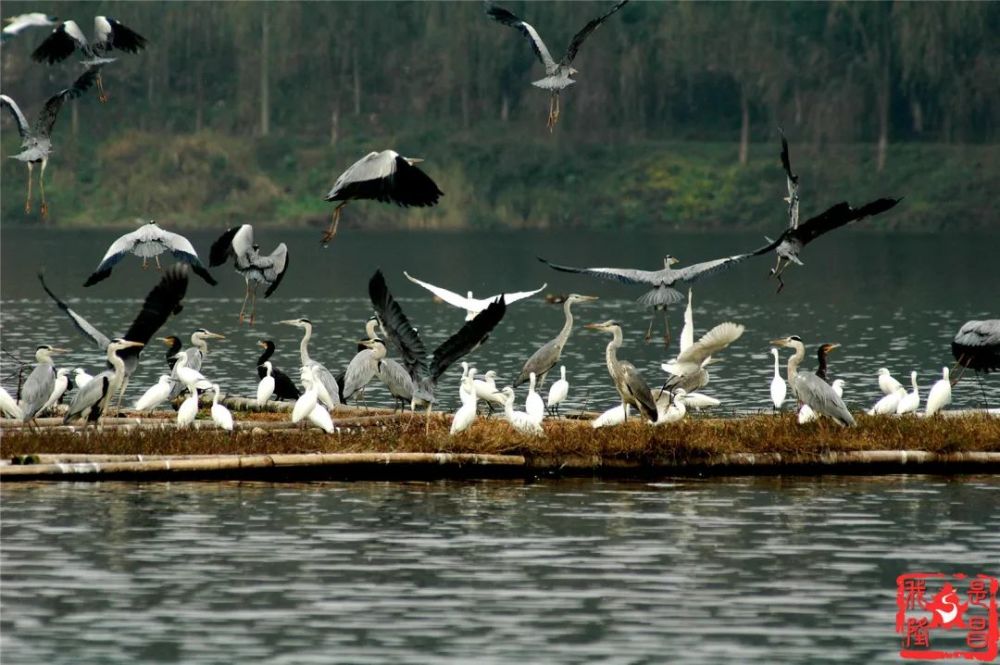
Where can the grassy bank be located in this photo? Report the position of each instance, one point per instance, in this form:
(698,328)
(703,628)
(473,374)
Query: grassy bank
(210,179)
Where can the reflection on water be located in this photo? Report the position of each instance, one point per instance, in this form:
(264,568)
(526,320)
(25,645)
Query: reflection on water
(775,570)
(892,301)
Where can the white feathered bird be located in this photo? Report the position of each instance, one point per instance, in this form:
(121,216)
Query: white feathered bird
(221,416)
(533,403)
(911,402)
(558,391)
(940,394)
(472,306)
(671,410)
(266,386)
(520,420)
(887,383)
(888,404)
(9,406)
(779,389)
(149,241)
(156,394)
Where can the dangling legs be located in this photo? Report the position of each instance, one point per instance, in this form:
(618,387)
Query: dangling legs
(103,96)
(246,297)
(158,266)
(41,188)
(332,229)
(666,329)
(777,270)
(27,201)
(253,303)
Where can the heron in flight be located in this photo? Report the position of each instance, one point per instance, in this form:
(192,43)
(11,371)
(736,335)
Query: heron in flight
(631,387)
(109,35)
(39,385)
(383,176)
(472,306)
(810,389)
(407,342)
(163,300)
(976,346)
(548,355)
(16,24)
(36,140)
(794,239)
(558,75)
(256,268)
(663,282)
(149,241)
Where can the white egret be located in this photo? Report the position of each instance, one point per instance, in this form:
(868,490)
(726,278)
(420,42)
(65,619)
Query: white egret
(156,394)
(558,391)
(266,386)
(472,306)
(887,383)
(188,410)
(940,394)
(698,401)
(466,413)
(779,389)
(486,390)
(520,420)
(533,403)
(221,416)
(671,411)
(58,389)
(8,405)
(911,402)
(81,378)
(616,415)
(307,401)
(888,404)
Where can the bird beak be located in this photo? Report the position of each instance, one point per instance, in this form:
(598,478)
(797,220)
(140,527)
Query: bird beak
(414,160)
(592,326)
(166,342)
(291,322)
(215,335)
(831,347)
(128,343)
(261,344)
(587,298)
(779,342)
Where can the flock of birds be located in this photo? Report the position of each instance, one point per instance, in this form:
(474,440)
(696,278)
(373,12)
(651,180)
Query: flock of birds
(392,351)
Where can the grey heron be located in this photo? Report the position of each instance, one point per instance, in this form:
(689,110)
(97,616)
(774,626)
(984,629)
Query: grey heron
(688,369)
(327,388)
(163,300)
(384,176)
(40,383)
(405,339)
(363,367)
(631,387)
(520,420)
(149,241)
(392,375)
(194,357)
(472,306)
(810,389)
(940,394)
(16,24)
(256,268)
(558,75)
(546,357)
(558,392)
(109,35)
(976,346)
(910,402)
(807,415)
(662,294)
(91,402)
(36,140)
(284,387)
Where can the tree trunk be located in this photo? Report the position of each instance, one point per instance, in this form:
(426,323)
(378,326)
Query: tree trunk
(265,116)
(334,125)
(199,96)
(883,115)
(744,127)
(357,84)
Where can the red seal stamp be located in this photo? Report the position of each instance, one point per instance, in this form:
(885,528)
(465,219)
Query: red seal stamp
(947,616)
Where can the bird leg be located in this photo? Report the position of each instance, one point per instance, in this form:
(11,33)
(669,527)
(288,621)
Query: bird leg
(102,95)
(121,395)
(158,266)
(427,427)
(556,118)
(550,124)
(649,331)
(332,229)
(144,263)
(666,329)
(253,303)
(27,201)
(777,270)
(44,208)
(246,296)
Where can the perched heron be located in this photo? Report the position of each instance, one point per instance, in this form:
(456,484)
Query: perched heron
(405,339)
(284,387)
(194,357)
(327,389)
(910,402)
(630,385)
(546,357)
(363,367)
(149,241)
(155,395)
(91,402)
(187,376)
(383,176)
(520,420)
(466,413)
(188,410)
(58,389)
(256,268)
(36,140)
(8,406)
(81,378)
(778,386)
(810,389)
(662,294)
(40,383)
(16,24)
(688,370)
(109,35)
(162,301)
(977,347)
(698,401)
(558,75)
(533,403)
(886,383)
(472,306)
(558,392)
(308,406)
(265,389)
(807,415)
(940,394)
(616,415)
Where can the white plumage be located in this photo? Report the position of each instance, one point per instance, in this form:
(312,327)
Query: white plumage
(940,394)
(486,390)
(888,404)
(466,413)
(911,402)
(308,399)
(558,391)
(8,406)
(156,394)
(886,383)
(15,24)
(698,401)
(59,387)
(613,416)
(320,417)
(220,414)
(472,306)
(81,378)
(149,241)
(520,420)
(779,389)
(266,386)
(671,410)
(533,403)
(188,411)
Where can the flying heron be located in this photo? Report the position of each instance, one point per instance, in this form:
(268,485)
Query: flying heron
(326,387)
(631,387)
(109,35)
(94,398)
(163,300)
(687,370)
(36,141)
(558,75)
(810,389)
(256,268)
(16,24)
(976,346)
(472,306)
(548,355)
(383,176)
(40,383)
(284,387)
(406,340)
(149,241)
(662,294)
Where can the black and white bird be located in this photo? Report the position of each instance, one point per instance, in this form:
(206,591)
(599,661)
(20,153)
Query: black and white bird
(149,241)
(256,268)
(558,75)
(383,176)
(194,357)
(16,24)
(472,306)
(405,339)
(663,282)
(976,346)
(36,140)
(284,387)
(109,35)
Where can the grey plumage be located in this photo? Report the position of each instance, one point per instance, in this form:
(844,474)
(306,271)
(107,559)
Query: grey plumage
(546,357)
(196,354)
(149,241)
(363,367)
(91,401)
(977,345)
(688,371)
(812,390)
(256,268)
(327,386)
(38,386)
(631,387)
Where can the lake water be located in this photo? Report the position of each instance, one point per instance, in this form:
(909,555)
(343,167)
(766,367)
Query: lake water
(754,570)
(890,300)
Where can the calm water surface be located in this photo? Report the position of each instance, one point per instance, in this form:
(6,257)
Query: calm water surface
(890,300)
(765,570)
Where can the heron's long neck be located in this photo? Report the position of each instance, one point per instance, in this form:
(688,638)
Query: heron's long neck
(200,344)
(304,346)
(508,407)
(118,365)
(794,361)
(611,353)
(776,366)
(567,326)
(378,352)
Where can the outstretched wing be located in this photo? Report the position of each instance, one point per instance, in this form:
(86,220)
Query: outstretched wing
(82,325)
(698,270)
(409,186)
(60,44)
(519,295)
(579,37)
(623,275)
(222,248)
(47,116)
(501,15)
(16,24)
(468,337)
(449,297)
(116,252)
(162,301)
(839,215)
(110,34)
(277,266)
(792,181)
(712,342)
(15,110)
(401,335)
(184,251)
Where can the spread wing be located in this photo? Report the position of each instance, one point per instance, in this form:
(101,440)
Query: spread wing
(623,275)
(712,342)
(501,15)
(519,295)
(162,301)
(82,325)
(449,297)
(15,110)
(223,247)
(275,266)
(398,331)
(698,270)
(60,44)
(184,251)
(839,215)
(110,34)
(792,181)
(579,37)
(47,116)
(468,337)
(116,252)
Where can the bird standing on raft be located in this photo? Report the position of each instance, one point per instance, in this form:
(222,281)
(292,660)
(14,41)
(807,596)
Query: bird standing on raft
(910,402)
(149,241)
(548,355)
(558,392)
(631,387)
(940,394)
(327,388)
(778,386)
(558,75)
(284,387)
(383,176)
(687,370)
(91,402)
(976,346)
(40,383)
(810,389)
(520,420)
(256,268)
